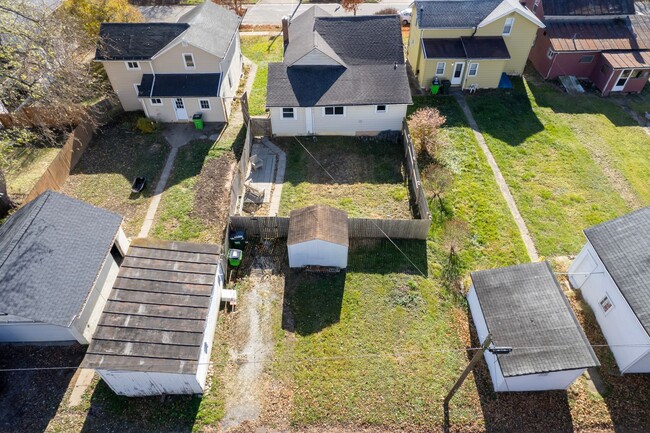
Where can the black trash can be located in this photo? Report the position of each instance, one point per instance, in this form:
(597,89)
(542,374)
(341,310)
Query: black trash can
(446,84)
(238,239)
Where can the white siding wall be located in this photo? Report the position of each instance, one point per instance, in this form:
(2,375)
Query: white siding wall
(165,112)
(141,384)
(357,120)
(529,382)
(231,66)
(208,334)
(123,81)
(620,326)
(316,57)
(319,253)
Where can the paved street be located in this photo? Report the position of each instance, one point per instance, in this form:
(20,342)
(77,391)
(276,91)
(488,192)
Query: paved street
(270,12)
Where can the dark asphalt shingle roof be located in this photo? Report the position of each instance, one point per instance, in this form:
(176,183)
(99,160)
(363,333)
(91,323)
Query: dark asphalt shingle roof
(525,309)
(135,41)
(453,13)
(179,85)
(588,7)
(476,48)
(207,26)
(623,245)
(368,47)
(156,315)
(51,251)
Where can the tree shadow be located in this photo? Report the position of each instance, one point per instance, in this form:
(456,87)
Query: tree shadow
(30,399)
(550,94)
(312,301)
(626,396)
(111,412)
(529,412)
(383,256)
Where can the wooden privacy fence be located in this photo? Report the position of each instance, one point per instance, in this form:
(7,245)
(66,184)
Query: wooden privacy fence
(261,126)
(238,188)
(70,154)
(278,227)
(415,182)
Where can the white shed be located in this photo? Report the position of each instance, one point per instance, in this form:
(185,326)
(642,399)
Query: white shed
(59,258)
(318,236)
(613,273)
(155,335)
(523,307)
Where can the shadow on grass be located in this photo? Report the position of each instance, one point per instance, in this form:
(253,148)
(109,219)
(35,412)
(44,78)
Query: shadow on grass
(348,160)
(626,396)
(381,256)
(312,301)
(30,399)
(529,412)
(111,412)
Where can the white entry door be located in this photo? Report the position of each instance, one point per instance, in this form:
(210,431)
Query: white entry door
(309,121)
(457,76)
(622,80)
(179,108)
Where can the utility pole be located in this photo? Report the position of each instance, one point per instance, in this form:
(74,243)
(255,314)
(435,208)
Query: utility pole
(475,359)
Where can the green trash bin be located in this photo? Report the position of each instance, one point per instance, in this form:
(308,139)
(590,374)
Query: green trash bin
(234,257)
(435,86)
(198,120)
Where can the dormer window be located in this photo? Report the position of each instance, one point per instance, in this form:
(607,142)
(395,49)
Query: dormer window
(507,28)
(188,59)
(133,66)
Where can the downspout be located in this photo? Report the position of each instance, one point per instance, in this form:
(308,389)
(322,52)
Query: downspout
(552,64)
(465,70)
(153,82)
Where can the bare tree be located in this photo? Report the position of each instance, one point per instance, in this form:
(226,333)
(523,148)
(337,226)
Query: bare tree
(436,181)
(351,5)
(424,125)
(237,6)
(44,62)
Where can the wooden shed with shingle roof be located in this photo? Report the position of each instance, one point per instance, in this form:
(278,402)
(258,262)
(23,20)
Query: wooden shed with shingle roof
(318,236)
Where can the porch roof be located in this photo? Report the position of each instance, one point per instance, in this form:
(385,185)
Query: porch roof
(628,59)
(473,48)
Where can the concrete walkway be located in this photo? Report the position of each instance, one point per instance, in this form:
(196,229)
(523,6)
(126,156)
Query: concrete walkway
(279,176)
(503,186)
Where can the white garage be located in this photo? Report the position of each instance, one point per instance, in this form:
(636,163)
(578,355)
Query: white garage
(156,333)
(522,307)
(318,236)
(613,273)
(59,258)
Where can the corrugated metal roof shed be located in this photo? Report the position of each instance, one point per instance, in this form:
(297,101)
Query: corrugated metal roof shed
(156,315)
(632,33)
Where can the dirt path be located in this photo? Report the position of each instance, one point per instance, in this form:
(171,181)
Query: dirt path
(503,186)
(245,389)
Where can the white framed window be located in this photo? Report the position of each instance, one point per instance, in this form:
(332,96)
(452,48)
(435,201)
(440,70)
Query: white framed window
(440,68)
(132,66)
(288,113)
(156,101)
(334,111)
(507,27)
(550,53)
(587,58)
(205,104)
(381,108)
(188,60)
(606,304)
(473,70)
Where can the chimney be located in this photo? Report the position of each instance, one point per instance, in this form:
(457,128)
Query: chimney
(285,31)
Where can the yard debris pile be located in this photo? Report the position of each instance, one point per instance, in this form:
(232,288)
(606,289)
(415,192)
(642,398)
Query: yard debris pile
(212,199)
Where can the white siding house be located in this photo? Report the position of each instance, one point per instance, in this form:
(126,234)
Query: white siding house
(156,333)
(172,71)
(523,307)
(318,236)
(612,273)
(59,259)
(339,76)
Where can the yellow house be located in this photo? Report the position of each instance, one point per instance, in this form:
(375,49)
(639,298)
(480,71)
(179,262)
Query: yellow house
(471,43)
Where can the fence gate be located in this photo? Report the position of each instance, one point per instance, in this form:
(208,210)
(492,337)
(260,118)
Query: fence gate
(244,108)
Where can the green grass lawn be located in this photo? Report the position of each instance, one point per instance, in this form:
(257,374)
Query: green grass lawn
(117,155)
(26,167)
(368,175)
(261,50)
(556,151)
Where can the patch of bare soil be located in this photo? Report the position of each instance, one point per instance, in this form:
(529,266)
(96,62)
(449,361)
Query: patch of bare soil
(212,201)
(349,168)
(249,386)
